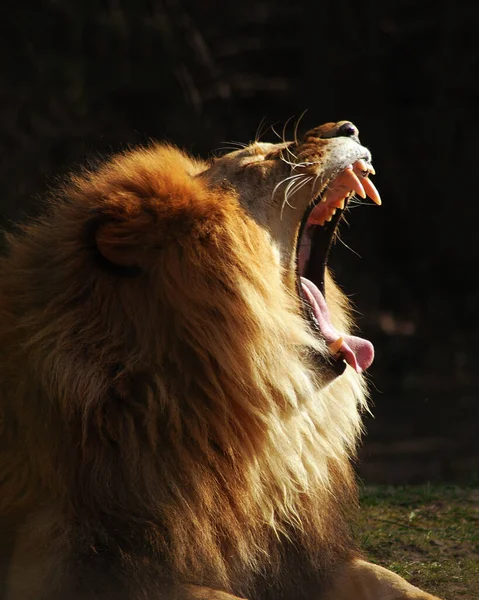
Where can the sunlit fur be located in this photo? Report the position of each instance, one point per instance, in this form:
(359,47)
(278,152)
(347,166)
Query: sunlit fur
(166,408)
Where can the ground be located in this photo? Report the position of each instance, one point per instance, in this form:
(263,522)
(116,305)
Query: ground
(427,534)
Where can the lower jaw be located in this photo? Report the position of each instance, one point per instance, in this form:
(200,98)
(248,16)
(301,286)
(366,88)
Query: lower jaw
(321,241)
(329,367)
(322,237)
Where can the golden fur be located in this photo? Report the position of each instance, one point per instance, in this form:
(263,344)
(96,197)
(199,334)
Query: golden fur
(164,424)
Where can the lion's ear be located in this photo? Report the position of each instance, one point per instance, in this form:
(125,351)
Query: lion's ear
(126,242)
(142,202)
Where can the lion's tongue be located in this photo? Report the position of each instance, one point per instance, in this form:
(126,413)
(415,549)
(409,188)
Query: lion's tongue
(357,352)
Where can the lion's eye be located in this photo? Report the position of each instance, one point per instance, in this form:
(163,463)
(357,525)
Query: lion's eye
(271,155)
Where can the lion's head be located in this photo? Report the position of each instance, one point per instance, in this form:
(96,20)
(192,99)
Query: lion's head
(176,352)
(297,191)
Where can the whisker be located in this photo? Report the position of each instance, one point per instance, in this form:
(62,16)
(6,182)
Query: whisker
(228,148)
(286,200)
(297,176)
(298,164)
(229,143)
(355,201)
(239,144)
(294,186)
(297,125)
(299,184)
(288,162)
(293,190)
(288,149)
(275,132)
(285,126)
(318,199)
(259,130)
(338,237)
(232,146)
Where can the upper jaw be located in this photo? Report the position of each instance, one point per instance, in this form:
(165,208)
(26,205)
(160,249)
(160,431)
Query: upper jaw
(345,170)
(332,156)
(333,169)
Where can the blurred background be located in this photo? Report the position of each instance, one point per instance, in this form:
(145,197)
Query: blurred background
(84,78)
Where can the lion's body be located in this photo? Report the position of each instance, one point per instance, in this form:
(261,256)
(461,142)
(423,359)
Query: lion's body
(164,426)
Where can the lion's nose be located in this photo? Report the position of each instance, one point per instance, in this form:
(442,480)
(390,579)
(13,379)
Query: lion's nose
(346,129)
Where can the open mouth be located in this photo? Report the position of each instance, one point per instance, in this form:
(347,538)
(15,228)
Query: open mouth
(316,234)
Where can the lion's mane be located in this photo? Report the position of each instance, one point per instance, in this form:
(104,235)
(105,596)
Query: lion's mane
(167,405)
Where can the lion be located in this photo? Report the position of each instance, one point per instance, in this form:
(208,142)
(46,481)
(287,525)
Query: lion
(180,391)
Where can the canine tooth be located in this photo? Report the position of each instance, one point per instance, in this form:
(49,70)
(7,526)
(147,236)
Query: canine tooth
(331,214)
(362,166)
(372,191)
(350,179)
(335,347)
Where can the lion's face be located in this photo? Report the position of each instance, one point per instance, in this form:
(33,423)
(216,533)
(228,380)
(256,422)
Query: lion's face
(298,191)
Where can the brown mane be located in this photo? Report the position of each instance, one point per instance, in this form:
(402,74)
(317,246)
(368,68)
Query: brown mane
(150,339)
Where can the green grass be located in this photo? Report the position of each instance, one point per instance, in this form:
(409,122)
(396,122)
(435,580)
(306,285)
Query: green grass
(428,534)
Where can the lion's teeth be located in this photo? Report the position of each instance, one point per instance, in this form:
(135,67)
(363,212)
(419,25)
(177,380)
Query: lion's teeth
(350,179)
(331,215)
(361,166)
(335,347)
(371,191)
(342,203)
(364,167)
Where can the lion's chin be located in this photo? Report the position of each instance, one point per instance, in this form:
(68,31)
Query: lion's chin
(316,235)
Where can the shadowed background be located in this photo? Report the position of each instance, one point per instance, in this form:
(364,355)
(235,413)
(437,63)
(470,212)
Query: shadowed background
(79,79)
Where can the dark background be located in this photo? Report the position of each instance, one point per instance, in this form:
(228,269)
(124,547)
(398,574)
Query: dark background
(84,78)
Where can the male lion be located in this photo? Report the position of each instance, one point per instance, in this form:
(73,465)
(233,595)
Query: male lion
(179,402)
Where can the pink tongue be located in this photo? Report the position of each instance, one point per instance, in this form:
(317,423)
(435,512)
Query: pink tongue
(357,352)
